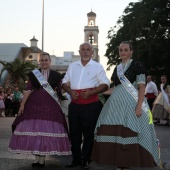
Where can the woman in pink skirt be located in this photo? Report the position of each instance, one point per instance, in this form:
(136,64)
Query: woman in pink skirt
(40,128)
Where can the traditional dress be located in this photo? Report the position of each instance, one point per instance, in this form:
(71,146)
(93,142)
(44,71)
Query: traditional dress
(42,128)
(161,108)
(121,138)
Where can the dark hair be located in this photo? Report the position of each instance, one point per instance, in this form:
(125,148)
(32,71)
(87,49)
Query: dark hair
(129,43)
(44,53)
(164,76)
(166,84)
(150,76)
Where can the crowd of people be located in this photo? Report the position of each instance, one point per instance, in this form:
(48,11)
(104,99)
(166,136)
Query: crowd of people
(108,133)
(158,98)
(161,105)
(10,99)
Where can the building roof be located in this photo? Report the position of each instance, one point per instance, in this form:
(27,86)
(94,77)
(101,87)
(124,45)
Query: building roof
(91,14)
(9,52)
(27,50)
(33,39)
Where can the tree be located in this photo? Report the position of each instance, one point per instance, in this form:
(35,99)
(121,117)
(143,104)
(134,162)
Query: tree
(17,70)
(146,25)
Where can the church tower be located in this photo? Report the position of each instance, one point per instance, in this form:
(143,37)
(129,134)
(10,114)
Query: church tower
(91,32)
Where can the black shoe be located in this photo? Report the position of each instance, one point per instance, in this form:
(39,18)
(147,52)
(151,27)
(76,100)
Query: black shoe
(73,165)
(37,164)
(41,165)
(84,166)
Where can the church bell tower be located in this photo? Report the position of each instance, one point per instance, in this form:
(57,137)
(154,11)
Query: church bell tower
(91,32)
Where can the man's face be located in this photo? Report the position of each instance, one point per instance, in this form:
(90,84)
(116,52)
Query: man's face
(16,88)
(163,79)
(86,52)
(45,62)
(148,79)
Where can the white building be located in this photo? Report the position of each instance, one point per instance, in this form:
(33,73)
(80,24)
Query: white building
(61,63)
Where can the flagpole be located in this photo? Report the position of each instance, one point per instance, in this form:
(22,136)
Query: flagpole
(43,25)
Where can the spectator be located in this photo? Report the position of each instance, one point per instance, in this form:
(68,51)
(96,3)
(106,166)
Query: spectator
(8,102)
(17,97)
(161,107)
(151,91)
(2,105)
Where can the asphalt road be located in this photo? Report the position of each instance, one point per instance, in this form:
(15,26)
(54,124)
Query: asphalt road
(9,161)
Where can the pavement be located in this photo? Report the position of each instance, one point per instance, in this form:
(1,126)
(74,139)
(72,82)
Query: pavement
(9,161)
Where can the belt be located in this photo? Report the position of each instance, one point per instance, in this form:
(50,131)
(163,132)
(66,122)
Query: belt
(150,95)
(80,100)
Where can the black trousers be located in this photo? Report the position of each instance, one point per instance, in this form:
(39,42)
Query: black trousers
(82,122)
(15,107)
(150,102)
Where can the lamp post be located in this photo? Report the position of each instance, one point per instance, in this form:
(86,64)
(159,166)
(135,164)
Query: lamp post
(43,25)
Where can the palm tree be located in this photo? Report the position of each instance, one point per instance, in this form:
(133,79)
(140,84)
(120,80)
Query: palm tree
(17,70)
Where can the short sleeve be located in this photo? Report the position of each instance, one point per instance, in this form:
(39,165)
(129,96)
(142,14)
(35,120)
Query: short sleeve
(29,86)
(102,78)
(66,78)
(141,79)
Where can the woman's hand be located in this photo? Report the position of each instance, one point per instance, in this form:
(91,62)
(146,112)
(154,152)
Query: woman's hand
(109,91)
(21,110)
(141,93)
(138,110)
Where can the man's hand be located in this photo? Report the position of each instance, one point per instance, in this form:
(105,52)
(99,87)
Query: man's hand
(85,94)
(74,95)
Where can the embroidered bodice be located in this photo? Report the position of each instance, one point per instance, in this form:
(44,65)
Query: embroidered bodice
(132,70)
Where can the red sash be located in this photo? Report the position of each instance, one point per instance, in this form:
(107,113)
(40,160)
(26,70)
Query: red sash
(150,95)
(80,100)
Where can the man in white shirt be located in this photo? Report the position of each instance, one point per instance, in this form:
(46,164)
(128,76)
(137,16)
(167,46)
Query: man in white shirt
(86,79)
(151,91)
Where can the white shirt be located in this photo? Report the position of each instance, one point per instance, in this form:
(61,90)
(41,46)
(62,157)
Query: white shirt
(45,73)
(82,77)
(151,88)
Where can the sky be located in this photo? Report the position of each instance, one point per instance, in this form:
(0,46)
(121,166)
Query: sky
(64,22)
